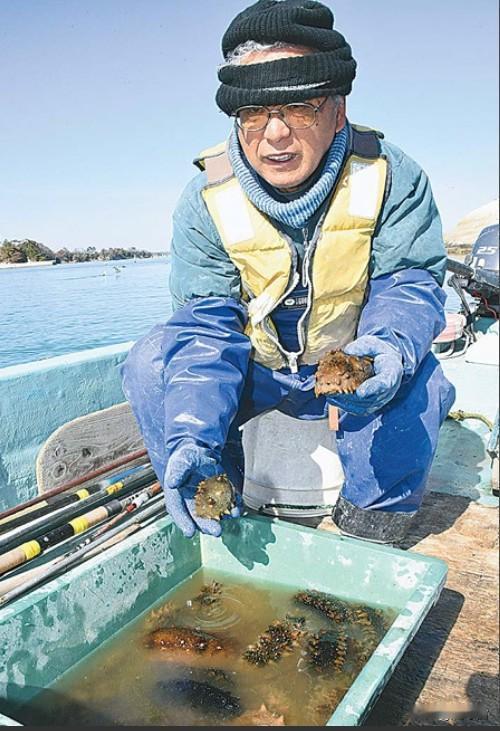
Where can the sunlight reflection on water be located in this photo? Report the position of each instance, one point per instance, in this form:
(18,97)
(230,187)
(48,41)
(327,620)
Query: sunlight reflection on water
(47,311)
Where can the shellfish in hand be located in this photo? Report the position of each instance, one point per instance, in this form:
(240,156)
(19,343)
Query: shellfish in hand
(341,373)
(214,497)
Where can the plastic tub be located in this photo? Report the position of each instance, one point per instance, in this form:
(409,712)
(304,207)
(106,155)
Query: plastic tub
(46,633)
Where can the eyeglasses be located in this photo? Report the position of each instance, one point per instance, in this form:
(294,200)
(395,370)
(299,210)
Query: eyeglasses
(300,115)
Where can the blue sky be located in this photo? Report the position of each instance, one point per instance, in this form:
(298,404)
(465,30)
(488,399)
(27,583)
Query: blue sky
(104,105)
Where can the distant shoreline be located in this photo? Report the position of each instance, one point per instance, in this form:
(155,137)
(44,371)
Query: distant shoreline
(53,262)
(27,264)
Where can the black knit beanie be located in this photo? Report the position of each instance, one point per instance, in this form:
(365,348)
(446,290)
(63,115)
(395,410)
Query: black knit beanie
(329,70)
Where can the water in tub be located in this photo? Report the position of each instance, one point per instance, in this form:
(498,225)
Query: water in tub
(217,651)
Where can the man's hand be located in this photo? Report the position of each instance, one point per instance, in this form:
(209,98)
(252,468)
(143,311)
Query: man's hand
(188,465)
(378,390)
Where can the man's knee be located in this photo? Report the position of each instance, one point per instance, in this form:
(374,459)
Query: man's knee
(387,458)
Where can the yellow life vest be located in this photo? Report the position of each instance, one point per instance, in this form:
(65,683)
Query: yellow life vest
(336,260)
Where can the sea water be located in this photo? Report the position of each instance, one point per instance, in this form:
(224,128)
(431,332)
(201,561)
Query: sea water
(131,680)
(54,310)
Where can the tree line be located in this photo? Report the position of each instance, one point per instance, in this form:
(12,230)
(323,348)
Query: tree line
(27,250)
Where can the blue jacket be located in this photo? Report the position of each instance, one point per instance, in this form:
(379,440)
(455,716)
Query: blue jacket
(208,378)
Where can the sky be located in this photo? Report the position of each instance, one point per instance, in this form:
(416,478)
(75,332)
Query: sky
(103,106)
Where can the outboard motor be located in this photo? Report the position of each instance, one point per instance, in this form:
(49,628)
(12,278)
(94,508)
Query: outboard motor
(478,276)
(484,259)
(485,252)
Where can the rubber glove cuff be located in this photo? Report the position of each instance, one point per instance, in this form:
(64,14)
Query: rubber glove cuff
(378,390)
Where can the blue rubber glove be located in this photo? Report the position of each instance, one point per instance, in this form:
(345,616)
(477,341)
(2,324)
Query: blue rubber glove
(188,465)
(378,390)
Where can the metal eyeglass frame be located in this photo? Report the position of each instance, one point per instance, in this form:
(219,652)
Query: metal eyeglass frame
(278,111)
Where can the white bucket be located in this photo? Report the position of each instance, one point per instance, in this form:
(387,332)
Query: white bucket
(292,467)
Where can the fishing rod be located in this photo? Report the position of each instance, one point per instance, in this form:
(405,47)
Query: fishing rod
(152,511)
(133,503)
(136,505)
(143,475)
(74,483)
(32,530)
(31,549)
(60,501)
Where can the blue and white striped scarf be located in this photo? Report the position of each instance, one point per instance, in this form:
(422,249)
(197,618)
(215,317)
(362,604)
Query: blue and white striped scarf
(297,212)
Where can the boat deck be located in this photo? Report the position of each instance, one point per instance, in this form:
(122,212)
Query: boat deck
(449,674)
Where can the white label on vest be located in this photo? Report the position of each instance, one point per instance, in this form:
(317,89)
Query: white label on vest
(364,186)
(232,208)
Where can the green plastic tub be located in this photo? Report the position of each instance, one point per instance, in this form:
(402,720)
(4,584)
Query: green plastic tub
(46,633)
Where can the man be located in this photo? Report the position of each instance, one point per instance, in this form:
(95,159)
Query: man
(302,234)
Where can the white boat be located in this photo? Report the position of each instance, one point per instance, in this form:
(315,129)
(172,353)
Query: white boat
(448,670)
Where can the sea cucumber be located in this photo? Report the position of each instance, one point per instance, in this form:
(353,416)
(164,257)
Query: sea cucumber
(341,373)
(279,637)
(186,639)
(214,497)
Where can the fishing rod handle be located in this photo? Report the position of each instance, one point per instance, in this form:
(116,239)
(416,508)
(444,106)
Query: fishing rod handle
(66,562)
(62,515)
(17,556)
(31,549)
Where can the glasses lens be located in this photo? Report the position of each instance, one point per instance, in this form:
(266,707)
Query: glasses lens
(299,116)
(252,118)
(296,116)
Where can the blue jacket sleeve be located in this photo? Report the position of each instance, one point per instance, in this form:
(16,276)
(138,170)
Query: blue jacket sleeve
(405,309)
(409,233)
(205,350)
(200,266)
(205,361)
(405,302)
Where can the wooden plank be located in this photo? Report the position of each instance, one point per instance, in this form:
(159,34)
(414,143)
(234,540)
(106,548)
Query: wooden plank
(86,443)
(449,674)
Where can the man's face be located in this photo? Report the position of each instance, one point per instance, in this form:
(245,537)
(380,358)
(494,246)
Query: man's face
(286,157)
